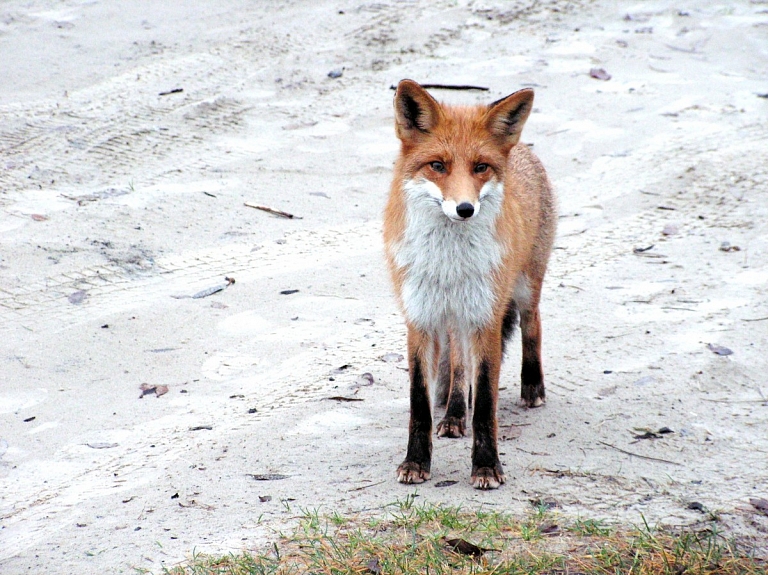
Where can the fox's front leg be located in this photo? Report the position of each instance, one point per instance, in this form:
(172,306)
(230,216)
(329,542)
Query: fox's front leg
(418,459)
(487,472)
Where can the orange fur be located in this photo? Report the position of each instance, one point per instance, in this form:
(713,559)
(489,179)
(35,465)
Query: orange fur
(468,230)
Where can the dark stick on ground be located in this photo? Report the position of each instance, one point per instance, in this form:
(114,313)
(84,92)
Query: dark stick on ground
(366,486)
(633,454)
(449,87)
(280,213)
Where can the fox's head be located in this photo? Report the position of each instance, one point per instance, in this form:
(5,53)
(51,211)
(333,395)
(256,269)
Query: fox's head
(455,156)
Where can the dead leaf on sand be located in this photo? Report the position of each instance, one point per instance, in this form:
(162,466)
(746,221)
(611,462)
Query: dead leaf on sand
(373,566)
(78,297)
(215,289)
(465,547)
(761,505)
(148,389)
(549,529)
(363,380)
(719,349)
(267,476)
(650,434)
(546,502)
(193,503)
(207,291)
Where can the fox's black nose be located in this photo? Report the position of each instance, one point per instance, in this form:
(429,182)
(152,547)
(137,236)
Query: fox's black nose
(465,210)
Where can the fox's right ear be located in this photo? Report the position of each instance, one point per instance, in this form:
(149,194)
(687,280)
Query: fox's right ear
(506,117)
(416,112)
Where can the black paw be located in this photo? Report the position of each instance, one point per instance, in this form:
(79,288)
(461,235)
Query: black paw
(451,427)
(533,395)
(412,472)
(487,477)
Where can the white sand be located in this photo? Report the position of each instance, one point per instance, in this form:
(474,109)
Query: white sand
(141,198)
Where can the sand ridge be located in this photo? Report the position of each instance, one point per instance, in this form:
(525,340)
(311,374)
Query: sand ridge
(116,200)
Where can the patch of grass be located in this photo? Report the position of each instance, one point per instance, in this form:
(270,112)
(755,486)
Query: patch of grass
(590,527)
(337,519)
(420,538)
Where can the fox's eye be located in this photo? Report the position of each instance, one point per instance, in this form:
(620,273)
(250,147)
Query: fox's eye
(439,167)
(481,168)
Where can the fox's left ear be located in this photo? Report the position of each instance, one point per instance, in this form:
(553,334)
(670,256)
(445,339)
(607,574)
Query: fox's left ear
(506,117)
(416,112)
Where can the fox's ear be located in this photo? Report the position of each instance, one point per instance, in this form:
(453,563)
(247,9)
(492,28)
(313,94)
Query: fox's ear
(507,116)
(416,112)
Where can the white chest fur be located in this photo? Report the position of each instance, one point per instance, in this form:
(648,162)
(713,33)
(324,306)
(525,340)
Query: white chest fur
(448,265)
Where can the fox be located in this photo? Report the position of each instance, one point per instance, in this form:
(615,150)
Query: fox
(468,229)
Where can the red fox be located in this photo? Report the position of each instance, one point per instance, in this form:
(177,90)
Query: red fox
(468,230)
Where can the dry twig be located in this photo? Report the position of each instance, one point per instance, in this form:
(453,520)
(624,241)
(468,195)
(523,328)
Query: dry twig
(273,211)
(632,453)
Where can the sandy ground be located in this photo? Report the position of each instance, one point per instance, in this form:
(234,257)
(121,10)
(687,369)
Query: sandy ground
(114,199)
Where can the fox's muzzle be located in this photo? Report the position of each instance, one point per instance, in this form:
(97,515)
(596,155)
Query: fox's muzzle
(462,211)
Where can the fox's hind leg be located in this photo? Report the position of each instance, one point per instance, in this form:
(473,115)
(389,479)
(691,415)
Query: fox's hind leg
(422,364)
(509,324)
(443,387)
(454,422)
(532,376)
